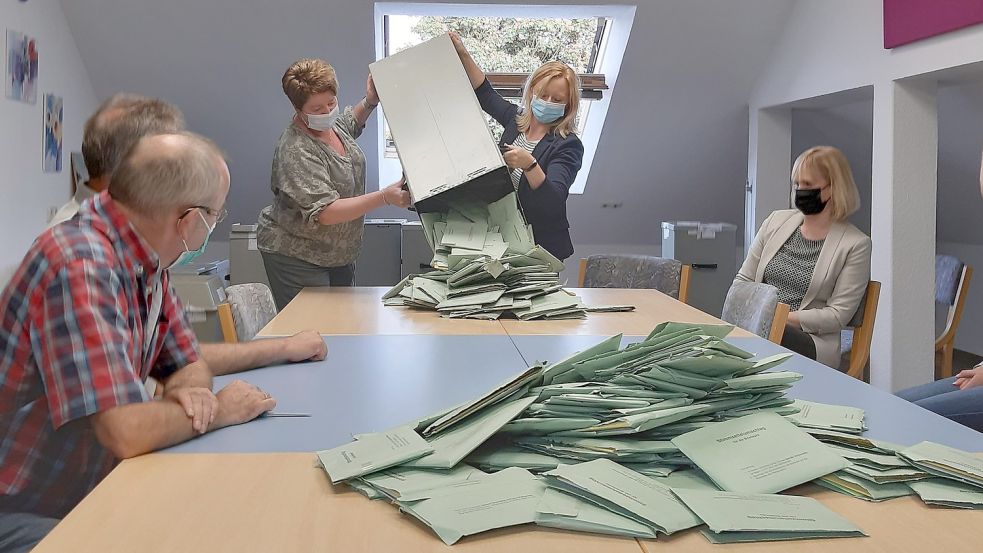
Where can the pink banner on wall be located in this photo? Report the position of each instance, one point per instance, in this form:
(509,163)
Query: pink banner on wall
(906,21)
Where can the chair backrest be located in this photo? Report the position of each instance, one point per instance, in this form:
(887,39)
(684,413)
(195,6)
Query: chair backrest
(948,273)
(633,271)
(952,278)
(863,331)
(752,306)
(252,308)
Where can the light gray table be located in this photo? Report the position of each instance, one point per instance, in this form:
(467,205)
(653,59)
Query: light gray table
(367,384)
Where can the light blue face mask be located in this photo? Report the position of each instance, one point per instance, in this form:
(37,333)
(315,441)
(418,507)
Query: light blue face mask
(189,255)
(547,112)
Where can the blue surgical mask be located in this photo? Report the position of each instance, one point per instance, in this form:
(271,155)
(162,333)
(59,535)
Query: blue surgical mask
(547,112)
(189,255)
(322,121)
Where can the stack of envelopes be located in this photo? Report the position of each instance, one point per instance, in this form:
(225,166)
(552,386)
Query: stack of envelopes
(487,265)
(677,430)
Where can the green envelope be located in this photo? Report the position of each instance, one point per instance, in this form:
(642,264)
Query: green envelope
(848,484)
(407,483)
(506,498)
(734,517)
(626,492)
(829,417)
(495,457)
(948,493)
(568,512)
(452,445)
(871,459)
(946,461)
(886,476)
(373,452)
(760,453)
(763,380)
(504,390)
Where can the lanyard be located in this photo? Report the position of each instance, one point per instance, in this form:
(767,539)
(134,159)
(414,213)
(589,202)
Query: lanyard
(153,316)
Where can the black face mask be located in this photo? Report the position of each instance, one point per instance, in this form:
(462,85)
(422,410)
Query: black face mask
(809,202)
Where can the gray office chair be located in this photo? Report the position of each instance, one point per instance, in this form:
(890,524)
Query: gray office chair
(636,271)
(952,278)
(754,307)
(248,309)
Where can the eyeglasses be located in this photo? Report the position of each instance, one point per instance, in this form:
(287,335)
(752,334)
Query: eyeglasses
(219,214)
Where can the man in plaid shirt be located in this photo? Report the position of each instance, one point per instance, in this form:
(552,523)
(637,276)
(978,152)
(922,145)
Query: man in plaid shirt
(88,317)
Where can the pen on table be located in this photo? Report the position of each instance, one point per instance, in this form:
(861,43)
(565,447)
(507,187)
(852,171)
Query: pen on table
(281,414)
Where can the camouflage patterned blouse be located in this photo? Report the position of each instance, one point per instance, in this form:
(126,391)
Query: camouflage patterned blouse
(307,176)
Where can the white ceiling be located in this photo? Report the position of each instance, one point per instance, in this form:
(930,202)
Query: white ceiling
(674,145)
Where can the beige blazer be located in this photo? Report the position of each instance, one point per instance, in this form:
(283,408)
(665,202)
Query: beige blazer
(838,281)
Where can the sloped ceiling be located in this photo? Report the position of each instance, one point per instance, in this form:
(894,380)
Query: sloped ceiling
(674,145)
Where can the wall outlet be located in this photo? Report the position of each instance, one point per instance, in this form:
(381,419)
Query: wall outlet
(612,205)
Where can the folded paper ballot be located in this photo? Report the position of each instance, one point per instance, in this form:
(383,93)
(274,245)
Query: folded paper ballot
(948,493)
(760,453)
(506,498)
(947,462)
(852,440)
(452,445)
(569,512)
(886,476)
(870,459)
(407,484)
(624,491)
(848,484)
(736,517)
(504,390)
(829,417)
(373,452)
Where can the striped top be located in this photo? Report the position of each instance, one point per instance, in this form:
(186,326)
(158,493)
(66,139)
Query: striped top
(791,269)
(521,142)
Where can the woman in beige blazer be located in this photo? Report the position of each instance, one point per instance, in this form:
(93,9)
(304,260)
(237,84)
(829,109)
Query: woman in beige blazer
(819,262)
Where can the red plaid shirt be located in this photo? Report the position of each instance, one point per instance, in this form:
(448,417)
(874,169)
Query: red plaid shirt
(71,345)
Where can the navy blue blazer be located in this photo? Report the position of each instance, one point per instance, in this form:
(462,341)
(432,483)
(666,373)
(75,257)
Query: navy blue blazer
(546,207)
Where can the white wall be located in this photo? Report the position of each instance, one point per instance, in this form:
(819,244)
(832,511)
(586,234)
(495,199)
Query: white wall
(837,45)
(28,193)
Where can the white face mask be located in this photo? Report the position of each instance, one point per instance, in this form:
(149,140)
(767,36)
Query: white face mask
(323,121)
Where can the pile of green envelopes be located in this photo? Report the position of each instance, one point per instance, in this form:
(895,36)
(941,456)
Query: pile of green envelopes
(488,265)
(679,430)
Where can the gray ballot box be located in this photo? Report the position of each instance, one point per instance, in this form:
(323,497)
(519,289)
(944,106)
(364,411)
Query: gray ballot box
(444,144)
(201,287)
(710,249)
(378,262)
(245,261)
(416,252)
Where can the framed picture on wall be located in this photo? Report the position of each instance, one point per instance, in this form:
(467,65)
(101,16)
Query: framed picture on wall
(22,68)
(79,173)
(53,115)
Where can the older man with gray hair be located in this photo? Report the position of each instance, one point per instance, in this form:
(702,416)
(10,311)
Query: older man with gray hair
(109,133)
(88,317)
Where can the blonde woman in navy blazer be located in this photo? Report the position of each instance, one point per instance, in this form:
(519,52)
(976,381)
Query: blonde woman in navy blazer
(825,195)
(540,144)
